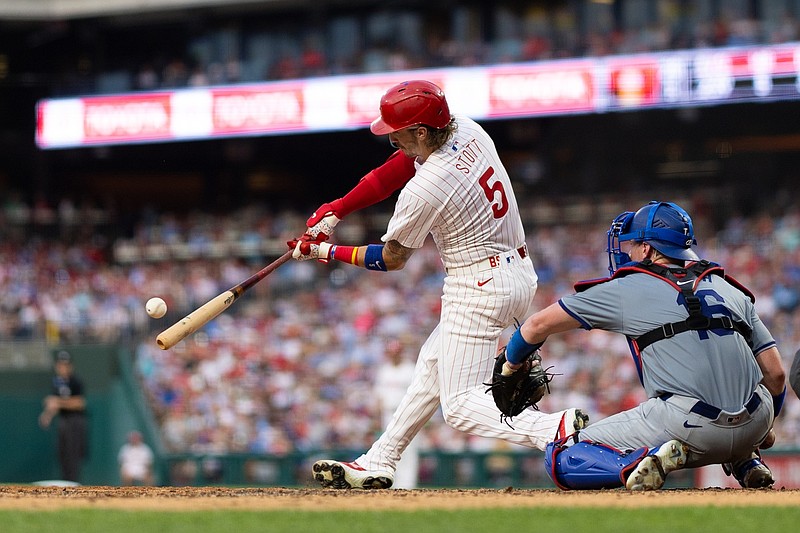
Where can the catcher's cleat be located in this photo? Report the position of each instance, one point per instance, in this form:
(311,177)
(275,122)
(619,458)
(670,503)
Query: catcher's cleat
(341,475)
(751,473)
(652,471)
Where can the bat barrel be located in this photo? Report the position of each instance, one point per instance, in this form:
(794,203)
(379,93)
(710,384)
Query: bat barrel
(208,311)
(194,320)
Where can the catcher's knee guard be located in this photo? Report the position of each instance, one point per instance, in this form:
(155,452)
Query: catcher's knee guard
(588,466)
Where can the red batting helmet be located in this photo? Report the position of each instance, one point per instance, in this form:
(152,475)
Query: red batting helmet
(411,103)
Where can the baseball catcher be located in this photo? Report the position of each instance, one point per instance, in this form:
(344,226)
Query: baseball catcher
(516,390)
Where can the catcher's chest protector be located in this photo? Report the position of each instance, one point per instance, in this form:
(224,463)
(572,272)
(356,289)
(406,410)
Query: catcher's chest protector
(684,280)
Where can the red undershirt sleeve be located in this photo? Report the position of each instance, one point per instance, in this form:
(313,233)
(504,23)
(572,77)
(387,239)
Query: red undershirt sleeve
(377,185)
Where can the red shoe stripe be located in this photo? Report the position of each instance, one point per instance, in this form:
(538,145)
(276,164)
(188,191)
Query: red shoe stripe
(562,430)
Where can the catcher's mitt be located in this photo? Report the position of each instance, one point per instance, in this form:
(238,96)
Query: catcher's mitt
(522,389)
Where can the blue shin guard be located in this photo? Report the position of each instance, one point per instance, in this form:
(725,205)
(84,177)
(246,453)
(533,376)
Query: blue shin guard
(589,466)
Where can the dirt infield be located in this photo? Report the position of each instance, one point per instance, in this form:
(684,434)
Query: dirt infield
(200,498)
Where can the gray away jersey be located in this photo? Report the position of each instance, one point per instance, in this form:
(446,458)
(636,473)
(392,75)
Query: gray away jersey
(715,366)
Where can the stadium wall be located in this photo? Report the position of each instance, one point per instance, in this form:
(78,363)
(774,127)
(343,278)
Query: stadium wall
(114,406)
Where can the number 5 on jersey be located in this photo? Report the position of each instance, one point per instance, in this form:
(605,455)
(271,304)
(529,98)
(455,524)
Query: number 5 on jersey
(499,206)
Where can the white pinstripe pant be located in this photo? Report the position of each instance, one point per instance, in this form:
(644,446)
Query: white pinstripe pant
(457,359)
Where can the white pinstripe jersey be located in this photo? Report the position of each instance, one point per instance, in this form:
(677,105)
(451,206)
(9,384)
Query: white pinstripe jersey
(462,196)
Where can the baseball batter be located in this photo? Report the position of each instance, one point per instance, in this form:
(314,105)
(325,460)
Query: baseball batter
(455,188)
(710,368)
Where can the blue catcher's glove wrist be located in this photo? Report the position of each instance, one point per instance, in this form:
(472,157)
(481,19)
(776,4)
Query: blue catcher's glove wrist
(518,349)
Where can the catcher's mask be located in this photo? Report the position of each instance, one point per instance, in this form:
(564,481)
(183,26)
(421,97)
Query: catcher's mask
(663,225)
(411,103)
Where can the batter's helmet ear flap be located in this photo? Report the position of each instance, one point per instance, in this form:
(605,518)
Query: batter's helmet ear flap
(411,103)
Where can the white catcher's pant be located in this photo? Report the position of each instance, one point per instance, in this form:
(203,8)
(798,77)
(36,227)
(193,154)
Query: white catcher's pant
(457,359)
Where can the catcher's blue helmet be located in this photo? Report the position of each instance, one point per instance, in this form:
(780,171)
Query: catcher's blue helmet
(663,225)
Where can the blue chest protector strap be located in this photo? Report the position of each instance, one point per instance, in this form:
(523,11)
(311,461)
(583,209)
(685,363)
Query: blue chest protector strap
(685,280)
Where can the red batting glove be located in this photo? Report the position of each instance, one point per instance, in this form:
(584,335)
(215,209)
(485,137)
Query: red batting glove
(321,222)
(307,248)
(303,243)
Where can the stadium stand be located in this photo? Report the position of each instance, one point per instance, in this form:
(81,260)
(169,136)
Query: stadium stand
(80,250)
(215,43)
(226,390)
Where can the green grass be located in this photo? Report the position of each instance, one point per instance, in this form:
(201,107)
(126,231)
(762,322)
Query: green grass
(573,520)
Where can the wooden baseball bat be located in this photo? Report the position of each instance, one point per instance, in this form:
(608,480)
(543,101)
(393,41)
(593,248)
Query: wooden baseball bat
(208,311)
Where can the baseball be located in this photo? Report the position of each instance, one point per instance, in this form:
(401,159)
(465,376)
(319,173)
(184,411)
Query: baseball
(156,307)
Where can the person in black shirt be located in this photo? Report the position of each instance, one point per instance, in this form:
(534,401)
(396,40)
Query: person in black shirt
(68,402)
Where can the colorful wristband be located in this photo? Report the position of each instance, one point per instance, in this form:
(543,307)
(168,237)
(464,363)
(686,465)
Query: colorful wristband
(518,349)
(346,254)
(373,259)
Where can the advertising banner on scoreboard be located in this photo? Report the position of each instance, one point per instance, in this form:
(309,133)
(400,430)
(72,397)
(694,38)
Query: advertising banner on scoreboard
(542,89)
(690,78)
(257,109)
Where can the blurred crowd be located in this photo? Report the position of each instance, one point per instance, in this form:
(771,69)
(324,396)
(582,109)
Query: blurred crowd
(291,365)
(330,39)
